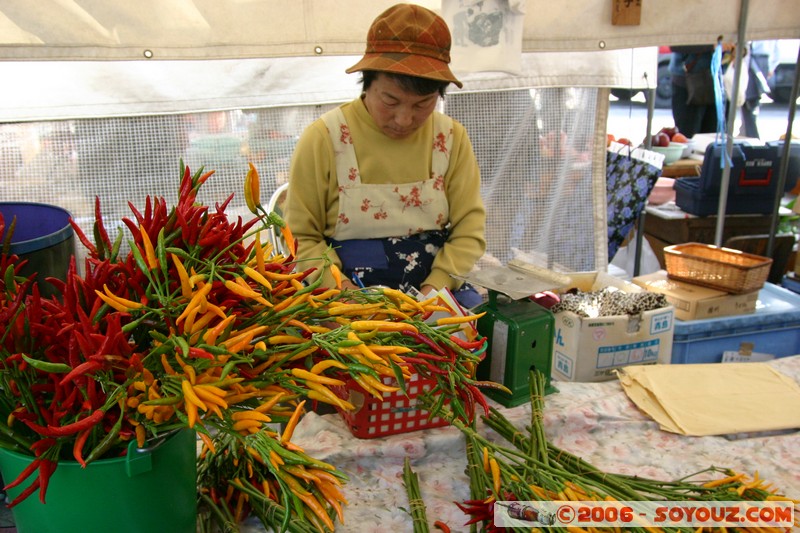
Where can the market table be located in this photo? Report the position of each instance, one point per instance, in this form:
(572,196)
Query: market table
(596,421)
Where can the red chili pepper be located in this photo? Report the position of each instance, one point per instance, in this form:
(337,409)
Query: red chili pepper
(27,471)
(69,429)
(77,446)
(80,370)
(82,237)
(478,395)
(432,357)
(468,345)
(199,353)
(426,341)
(442,526)
(25,493)
(46,470)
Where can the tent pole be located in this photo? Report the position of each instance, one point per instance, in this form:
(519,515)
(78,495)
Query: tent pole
(733,108)
(783,169)
(648,143)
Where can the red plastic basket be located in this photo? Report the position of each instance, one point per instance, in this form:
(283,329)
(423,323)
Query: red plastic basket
(397,413)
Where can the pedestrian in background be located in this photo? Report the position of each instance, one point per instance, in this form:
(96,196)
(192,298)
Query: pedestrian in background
(762,60)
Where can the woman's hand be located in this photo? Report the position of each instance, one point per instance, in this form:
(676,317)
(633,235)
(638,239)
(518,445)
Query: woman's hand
(425,289)
(349,285)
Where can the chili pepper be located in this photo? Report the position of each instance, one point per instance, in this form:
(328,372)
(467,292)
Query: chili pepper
(117,302)
(107,442)
(82,369)
(77,447)
(431,357)
(27,471)
(438,350)
(46,366)
(441,526)
(323,365)
(316,378)
(252,189)
(458,319)
(400,296)
(69,429)
(468,345)
(149,251)
(190,396)
(382,325)
(30,489)
(286,435)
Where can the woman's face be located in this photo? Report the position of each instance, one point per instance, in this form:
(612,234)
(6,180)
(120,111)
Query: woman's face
(397,112)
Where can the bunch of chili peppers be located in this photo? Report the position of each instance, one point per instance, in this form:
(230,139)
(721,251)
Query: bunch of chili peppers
(528,467)
(202,325)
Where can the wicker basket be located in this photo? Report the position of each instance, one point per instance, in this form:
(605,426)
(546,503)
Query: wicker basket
(720,268)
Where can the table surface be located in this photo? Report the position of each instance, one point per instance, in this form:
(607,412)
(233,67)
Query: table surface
(595,421)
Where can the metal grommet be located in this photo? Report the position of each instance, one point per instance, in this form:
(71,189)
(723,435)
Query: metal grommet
(318,50)
(148,54)
(601,45)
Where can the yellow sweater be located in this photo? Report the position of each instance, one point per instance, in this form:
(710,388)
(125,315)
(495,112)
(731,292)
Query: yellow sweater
(313,201)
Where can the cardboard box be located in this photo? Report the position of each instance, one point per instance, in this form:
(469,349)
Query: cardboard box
(694,302)
(591,349)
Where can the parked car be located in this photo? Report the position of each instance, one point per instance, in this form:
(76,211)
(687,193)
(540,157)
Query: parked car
(780,83)
(663,86)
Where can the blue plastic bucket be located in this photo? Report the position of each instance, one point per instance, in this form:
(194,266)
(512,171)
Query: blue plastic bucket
(43,237)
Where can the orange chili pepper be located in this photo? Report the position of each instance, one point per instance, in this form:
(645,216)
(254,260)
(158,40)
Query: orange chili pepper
(292,423)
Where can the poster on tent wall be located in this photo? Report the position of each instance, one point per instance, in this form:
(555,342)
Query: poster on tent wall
(487,34)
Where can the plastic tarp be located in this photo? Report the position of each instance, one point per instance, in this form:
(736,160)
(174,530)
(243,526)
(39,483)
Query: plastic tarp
(70,89)
(220,29)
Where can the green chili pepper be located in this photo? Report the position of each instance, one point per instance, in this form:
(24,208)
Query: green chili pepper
(47,366)
(108,441)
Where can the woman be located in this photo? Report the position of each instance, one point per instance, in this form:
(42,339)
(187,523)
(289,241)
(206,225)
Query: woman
(385,185)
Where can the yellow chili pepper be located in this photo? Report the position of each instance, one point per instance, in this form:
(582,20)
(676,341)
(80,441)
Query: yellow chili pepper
(382,325)
(286,339)
(326,364)
(378,384)
(251,414)
(191,397)
(257,277)
(149,252)
(400,296)
(183,275)
(458,319)
(252,189)
(196,300)
(246,424)
(496,480)
(316,378)
(118,302)
(209,397)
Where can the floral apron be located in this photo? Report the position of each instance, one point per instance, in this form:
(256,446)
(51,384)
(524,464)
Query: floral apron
(388,234)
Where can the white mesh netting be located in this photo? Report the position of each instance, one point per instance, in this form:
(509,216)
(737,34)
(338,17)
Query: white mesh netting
(535,149)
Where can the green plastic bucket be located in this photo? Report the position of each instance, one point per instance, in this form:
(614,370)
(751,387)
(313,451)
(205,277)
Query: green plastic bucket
(43,237)
(150,490)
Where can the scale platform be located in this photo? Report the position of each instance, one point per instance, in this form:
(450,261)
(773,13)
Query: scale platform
(519,332)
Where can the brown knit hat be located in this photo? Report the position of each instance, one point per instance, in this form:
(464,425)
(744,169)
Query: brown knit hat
(408,39)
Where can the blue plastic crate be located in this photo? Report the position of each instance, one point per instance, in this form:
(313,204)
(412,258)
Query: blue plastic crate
(774,328)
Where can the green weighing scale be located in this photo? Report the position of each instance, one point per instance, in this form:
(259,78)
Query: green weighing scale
(519,332)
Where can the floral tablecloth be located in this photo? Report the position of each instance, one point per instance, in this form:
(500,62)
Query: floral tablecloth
(596,421)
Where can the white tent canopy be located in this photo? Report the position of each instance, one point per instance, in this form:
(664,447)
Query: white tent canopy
(224,29)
